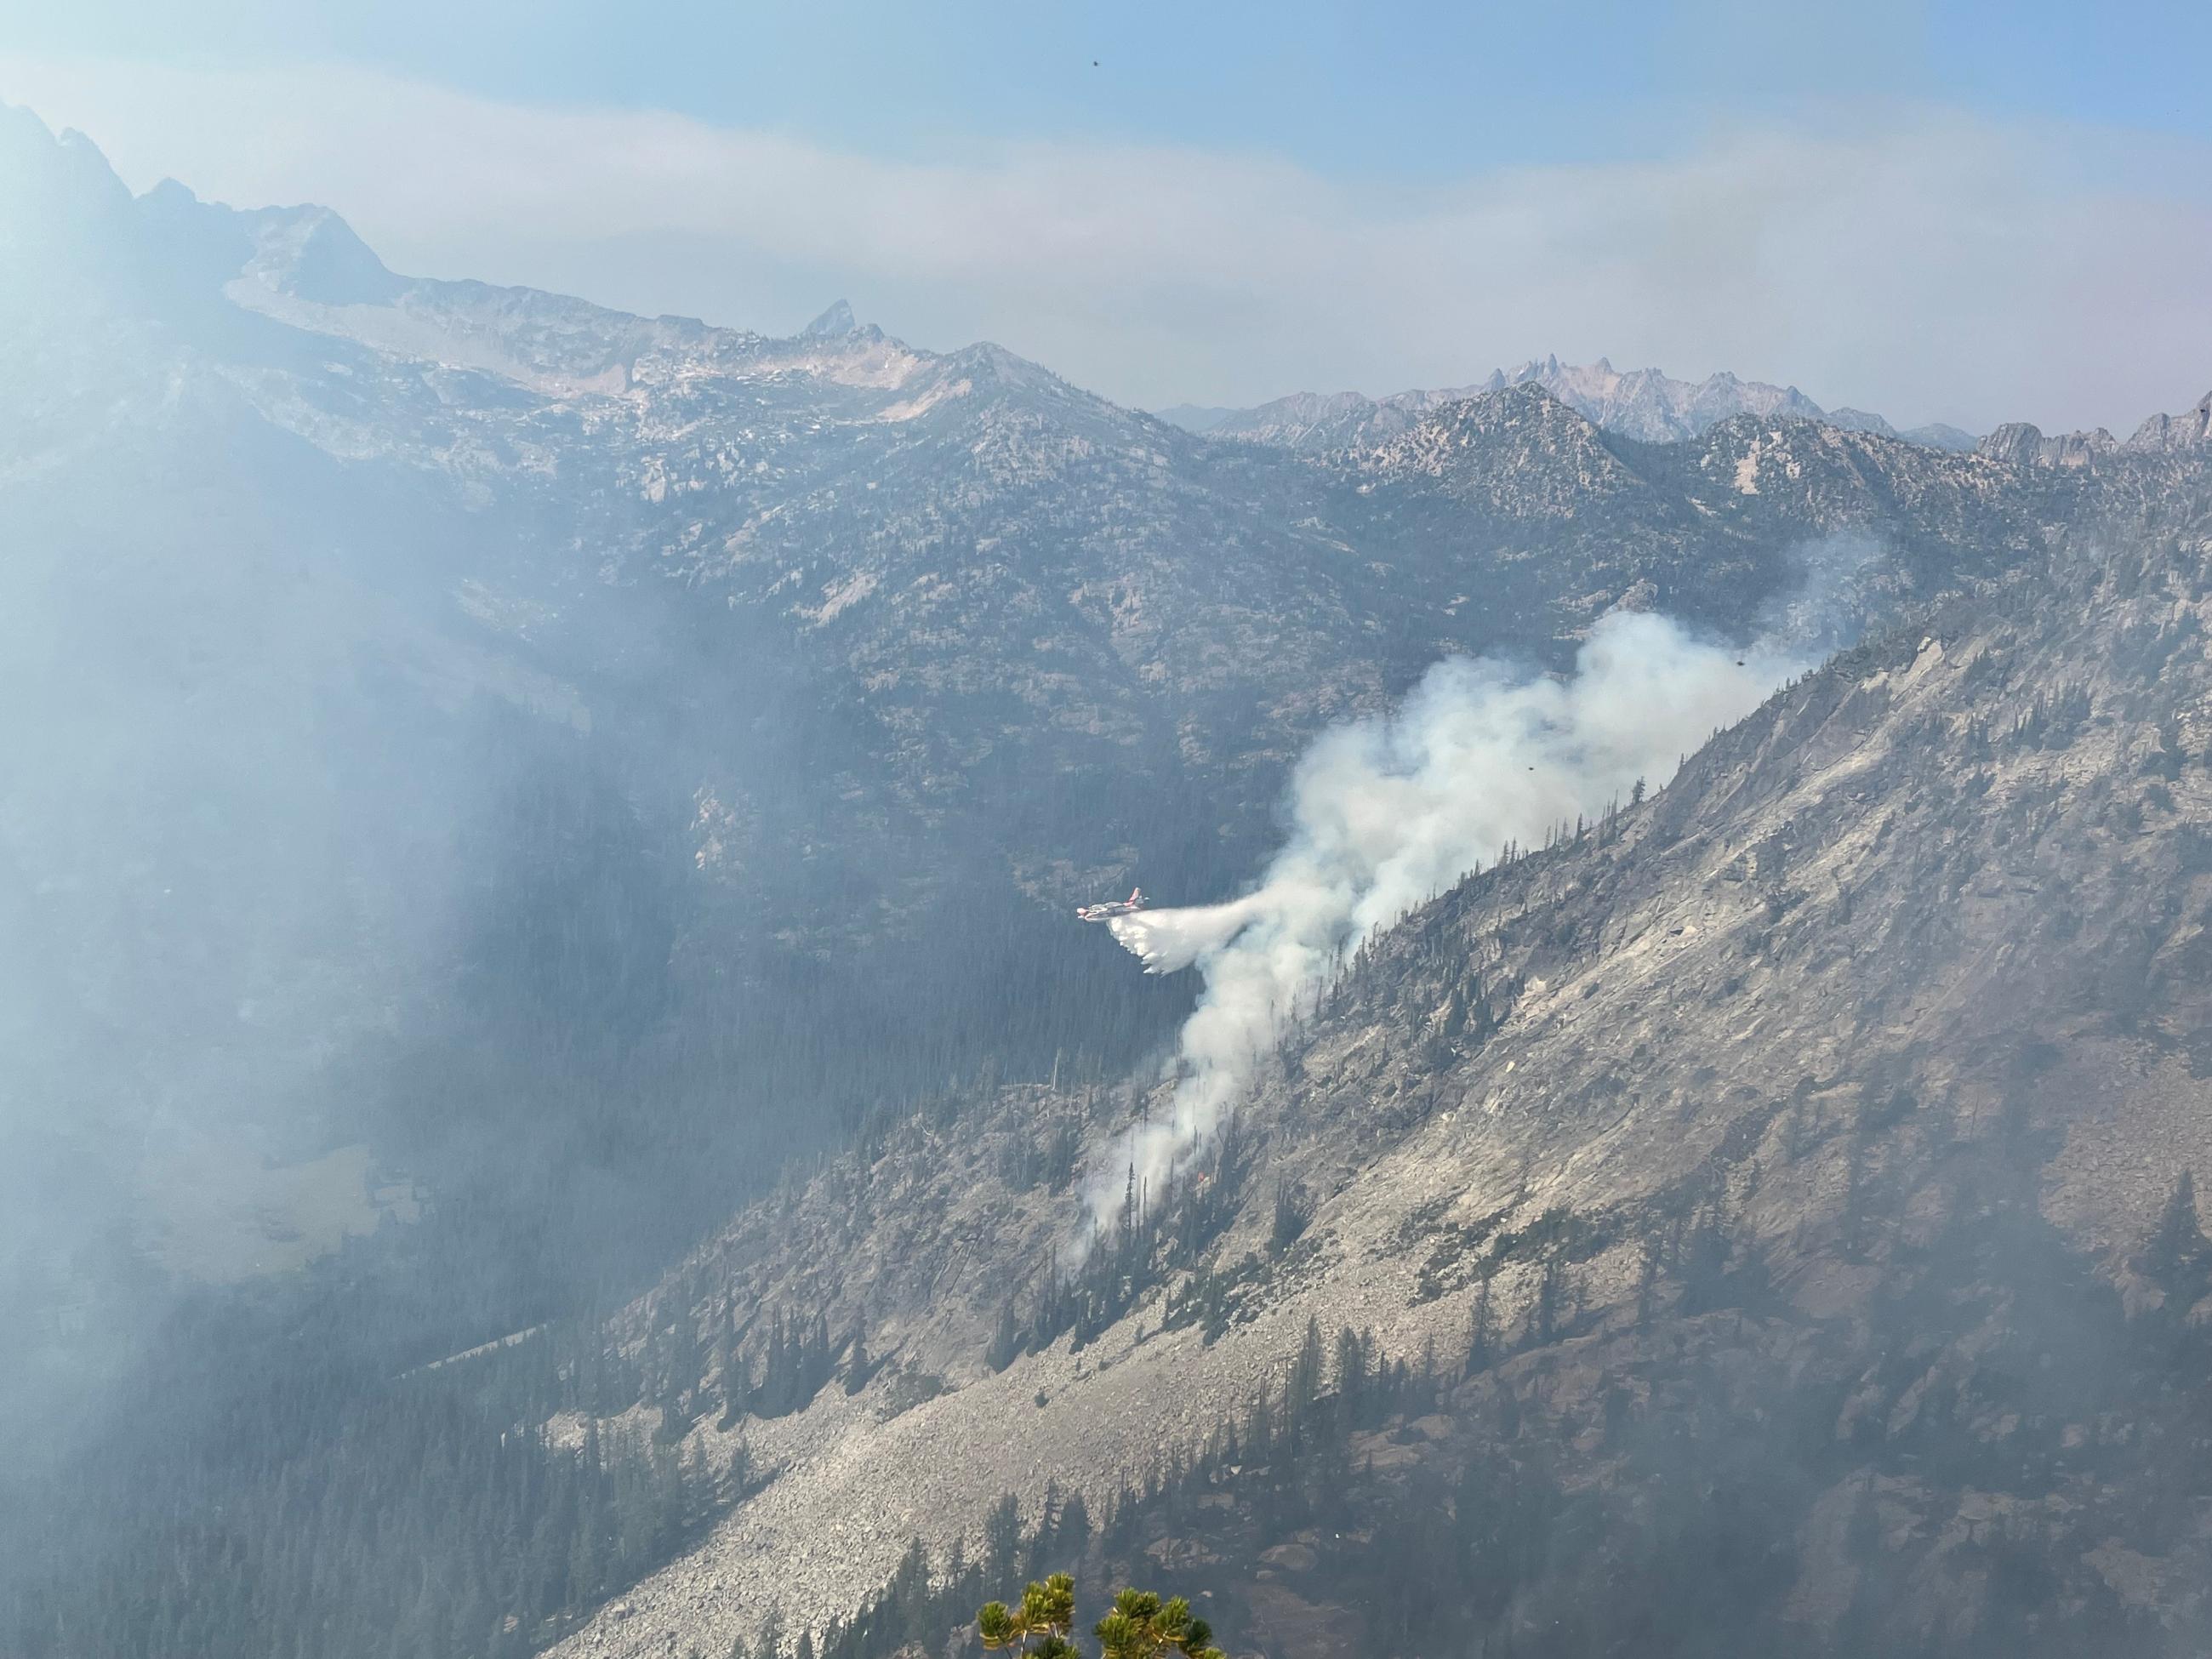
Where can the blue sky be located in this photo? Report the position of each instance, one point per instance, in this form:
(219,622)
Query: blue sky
(1805,194)
(1388,89)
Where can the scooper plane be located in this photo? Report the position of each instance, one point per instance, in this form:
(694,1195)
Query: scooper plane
(1113,907)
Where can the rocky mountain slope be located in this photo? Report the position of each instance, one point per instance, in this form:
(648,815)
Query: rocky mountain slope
(1834,1103)
(1642,404)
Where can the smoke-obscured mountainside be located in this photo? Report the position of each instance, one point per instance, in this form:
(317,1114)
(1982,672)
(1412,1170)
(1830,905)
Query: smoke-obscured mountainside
(1779,1192)
(554,1094)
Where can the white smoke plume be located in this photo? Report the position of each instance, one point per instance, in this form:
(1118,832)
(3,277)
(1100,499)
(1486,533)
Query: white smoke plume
(1389,811)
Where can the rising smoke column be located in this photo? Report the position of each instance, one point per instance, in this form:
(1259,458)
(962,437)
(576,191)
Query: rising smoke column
(1387,810)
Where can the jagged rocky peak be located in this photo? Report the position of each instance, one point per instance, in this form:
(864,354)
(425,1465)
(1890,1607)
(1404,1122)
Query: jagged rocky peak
(834,324)
(310,253)
(2190,429)
(42,164)
(2024,444)
(1519,451)
(74,241)
(1644,403)
(64,205)
(1518,406)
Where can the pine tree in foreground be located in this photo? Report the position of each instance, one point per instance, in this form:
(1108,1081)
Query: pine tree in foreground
(1140,1626)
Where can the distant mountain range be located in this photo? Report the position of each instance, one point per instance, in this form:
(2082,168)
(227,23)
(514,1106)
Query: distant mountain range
(1643,403)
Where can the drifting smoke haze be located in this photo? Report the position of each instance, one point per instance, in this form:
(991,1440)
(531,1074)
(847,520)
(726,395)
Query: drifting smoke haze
(1386,811)
(551,1100)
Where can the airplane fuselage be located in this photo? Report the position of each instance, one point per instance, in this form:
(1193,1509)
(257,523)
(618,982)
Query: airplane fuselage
(1107,911)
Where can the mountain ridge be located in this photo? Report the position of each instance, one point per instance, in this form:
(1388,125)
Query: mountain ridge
(1645,404)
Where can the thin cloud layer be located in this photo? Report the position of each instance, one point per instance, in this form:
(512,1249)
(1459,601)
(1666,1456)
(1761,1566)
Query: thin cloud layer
(1894,260)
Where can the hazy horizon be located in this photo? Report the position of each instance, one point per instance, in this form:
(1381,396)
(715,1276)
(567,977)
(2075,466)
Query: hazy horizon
(1879,239)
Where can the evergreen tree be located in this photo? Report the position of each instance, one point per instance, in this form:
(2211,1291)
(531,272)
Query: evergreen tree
(857,1368)
(1139,1625)
(1005,1340)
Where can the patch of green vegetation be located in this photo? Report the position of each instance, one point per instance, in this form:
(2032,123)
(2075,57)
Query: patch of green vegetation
(1453,1263)
(1558,1232)
(1214,1299)
(909,1388)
